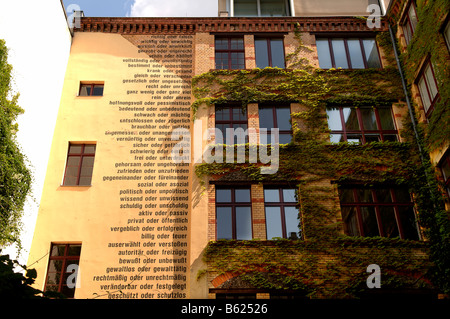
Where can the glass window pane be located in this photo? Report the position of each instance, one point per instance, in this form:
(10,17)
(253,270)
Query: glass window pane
(273,8)
(277,53)
(351,119)
(369,119)
(372,138)
(346,195)
(364,195)
(431,82)
(89,149)
(369,221)
(292,222)
(283,118)
(354,138)
(383,195)
(323,50)
(223,195)
(73,161)
(261,53)
(273,222)
(371,52)
(336,138)
(237,44)
(243,223)
(85,181)
(88,161)
(242,195)
(221,44)
(70,180)
(74,250)
(407,32)
(271,195)
(224,223)
(237,60)
(58,250)
(390,137)
(86,171)
(408,222)
(402,195)
(75,148)
(387,123)
(340,56)
(285,138)
(354,50)
(289,195)
(72,171)
(266,118)
(98,90)
(350,220)
(388,222)
(85,90)
(334,119)
(412,17)
(245,8)
(424,94)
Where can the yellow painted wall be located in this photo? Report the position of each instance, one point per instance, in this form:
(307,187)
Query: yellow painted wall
(86,215)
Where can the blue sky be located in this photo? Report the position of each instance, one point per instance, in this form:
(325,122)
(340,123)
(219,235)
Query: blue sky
(146,8)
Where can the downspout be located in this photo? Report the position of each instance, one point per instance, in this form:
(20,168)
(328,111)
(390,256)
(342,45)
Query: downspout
(405,91)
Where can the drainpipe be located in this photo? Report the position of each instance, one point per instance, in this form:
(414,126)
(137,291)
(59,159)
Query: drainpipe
(405,90)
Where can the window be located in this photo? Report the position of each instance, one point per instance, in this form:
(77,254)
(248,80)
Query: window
(64,260)
(446,32)
(232,117)
(233,213)
(445,170)
(281,213)
(275,117)
(91,89)
(385,212)
(348,53)
(409,22)
(427,87)
(230,53)
(269,52)
(80,164)
(261,8)
(361,124)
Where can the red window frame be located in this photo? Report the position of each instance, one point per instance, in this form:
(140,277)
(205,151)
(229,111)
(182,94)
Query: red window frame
(347,51)
(91,87)
(59,260)
(362,131)
(229,52)
(233,204)
(358,204)
(269,51)
(232,122)
(408,27)
(282,204)
(445,162)
(433,99)
(275,120)
(81,167)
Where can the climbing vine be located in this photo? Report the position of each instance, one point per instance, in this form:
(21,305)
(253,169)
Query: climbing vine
(326,263)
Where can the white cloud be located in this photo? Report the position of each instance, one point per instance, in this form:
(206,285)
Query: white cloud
(173,8)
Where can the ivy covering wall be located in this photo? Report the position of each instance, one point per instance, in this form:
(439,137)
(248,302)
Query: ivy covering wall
(326,263)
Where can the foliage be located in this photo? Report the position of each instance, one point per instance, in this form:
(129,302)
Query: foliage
(15,177)
(312,164)
(16,285)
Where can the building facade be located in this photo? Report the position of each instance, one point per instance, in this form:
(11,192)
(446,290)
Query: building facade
(165,178)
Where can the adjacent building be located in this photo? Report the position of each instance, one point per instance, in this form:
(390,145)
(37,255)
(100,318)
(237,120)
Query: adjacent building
(165,178)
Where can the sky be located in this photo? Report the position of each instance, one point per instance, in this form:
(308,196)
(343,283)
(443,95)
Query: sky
(39,44)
